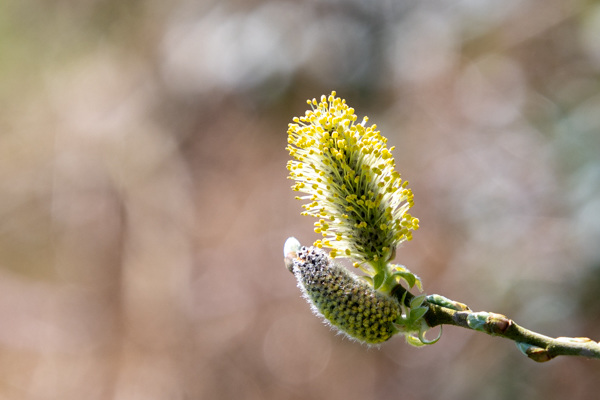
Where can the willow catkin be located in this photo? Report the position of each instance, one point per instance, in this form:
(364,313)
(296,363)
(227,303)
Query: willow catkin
(347,303)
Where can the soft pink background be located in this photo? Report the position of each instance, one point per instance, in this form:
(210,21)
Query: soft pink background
(144,201)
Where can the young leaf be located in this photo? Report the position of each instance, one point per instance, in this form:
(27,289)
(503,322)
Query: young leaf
(417,313)
(378,280)
(417,301)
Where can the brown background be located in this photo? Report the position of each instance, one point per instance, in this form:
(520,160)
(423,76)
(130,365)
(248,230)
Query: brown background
(144,201)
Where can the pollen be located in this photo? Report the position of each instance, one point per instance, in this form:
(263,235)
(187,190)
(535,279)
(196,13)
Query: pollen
(348,173)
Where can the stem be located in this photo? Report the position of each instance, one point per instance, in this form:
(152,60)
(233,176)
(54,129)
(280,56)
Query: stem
(538,347)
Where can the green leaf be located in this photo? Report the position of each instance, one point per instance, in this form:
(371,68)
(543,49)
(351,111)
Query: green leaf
(425,341)
(403,300)
(410,278)
(414,341)
(407,276)
(417,313)
(378,280)
(419,284)
(417,301)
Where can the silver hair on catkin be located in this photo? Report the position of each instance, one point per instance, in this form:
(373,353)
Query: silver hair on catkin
(347,303)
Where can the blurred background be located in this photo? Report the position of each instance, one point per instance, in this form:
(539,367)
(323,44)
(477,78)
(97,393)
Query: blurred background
(144,201)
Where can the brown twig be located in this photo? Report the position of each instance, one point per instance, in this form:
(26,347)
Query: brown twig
(537,347)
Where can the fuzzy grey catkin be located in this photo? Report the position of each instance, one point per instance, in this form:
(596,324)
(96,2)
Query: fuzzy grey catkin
(347,303)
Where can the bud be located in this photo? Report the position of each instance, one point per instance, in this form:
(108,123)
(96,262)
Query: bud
(536,353)
(290,252)
(347,303)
